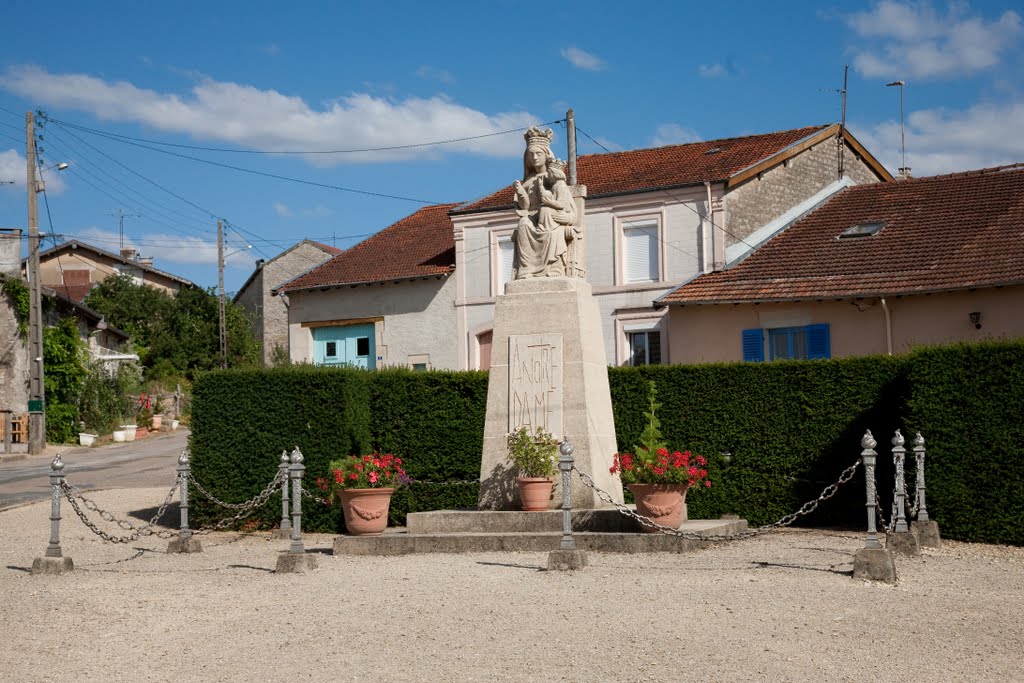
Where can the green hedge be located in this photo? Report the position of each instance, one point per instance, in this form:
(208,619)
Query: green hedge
(791,428)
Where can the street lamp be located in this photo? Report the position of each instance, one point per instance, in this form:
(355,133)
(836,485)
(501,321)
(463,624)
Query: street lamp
(904,170)
(36,391)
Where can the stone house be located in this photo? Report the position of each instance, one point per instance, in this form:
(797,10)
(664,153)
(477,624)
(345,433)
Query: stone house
(74,268)
(389,300)
(878,269)
(655,219)
(267,312)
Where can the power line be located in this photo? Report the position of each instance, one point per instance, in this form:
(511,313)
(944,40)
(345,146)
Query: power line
(416,145)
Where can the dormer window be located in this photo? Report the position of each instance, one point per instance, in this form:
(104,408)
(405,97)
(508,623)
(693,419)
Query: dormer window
(861,230)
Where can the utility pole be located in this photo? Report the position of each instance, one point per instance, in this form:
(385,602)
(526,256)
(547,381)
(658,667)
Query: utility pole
(36,389)
(904,172)
(842,127)
(570,127)
(220,304)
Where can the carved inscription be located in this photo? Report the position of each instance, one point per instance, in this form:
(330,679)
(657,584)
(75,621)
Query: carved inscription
(535,382)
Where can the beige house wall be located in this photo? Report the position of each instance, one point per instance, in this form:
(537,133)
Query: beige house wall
(52,269)
(418,317)
(757,201)
(712,333)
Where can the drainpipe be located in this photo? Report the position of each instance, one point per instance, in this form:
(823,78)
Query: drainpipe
(287,321)
(710,231)
(888,326)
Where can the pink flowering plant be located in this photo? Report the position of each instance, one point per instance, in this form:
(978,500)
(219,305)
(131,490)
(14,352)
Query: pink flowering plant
(653,463)
(374,471)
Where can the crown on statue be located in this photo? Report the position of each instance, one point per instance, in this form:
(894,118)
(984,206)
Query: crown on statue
(557,164)
(536,137)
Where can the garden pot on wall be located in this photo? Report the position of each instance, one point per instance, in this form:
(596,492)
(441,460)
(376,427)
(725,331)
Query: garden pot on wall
(156,422)
(664,504)
(141,432)
(120,435)
(534,493)
(365,510)
(86,439)
(129,432)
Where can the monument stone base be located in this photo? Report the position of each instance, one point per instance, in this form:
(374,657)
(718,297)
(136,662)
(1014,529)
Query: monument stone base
(185,545)
(566,560)
(874,564)
(904,543)
(52,565)
(927,533)
(549,370)
(295,563)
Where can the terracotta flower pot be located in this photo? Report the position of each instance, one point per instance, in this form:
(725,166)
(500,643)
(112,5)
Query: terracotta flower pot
(664,504)
(157,422)
(534,493)
(365,510)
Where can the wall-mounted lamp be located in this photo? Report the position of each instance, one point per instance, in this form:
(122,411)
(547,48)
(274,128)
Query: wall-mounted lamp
(975,319)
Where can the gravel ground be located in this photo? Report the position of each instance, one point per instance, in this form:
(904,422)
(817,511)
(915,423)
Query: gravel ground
(781,607)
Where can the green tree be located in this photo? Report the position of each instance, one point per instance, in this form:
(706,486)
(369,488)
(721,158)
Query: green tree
(64,357)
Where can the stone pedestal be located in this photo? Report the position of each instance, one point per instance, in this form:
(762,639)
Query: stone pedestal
(927,533)
(549,370)
(185,545)
(52,565)
(874,564)
(566,560)
(296,563)
(904,543)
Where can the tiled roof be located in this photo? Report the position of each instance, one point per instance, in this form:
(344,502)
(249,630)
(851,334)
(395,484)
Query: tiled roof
(75,244)
(420,245)
(328,248)
(940,233)
(665,167)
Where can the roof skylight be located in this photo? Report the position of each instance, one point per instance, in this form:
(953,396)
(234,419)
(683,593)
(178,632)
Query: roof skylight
(861,230)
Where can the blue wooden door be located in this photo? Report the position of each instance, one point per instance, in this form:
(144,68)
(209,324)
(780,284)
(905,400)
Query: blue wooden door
(350,345)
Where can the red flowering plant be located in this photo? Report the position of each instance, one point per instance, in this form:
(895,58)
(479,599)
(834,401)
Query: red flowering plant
(653,463)
(374,471)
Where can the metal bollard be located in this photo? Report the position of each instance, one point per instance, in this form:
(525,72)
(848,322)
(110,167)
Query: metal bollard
(54,562)
(286,522)
(185,542)
(899,454)
(295,474)
(922,511)
(565,463)
(869,456)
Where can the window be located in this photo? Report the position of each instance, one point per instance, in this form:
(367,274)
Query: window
(640,250)
(787,343)
(644,347)
(363,346)
(506,254)
(331,350)
(483,341)
(861,230)
(419,367)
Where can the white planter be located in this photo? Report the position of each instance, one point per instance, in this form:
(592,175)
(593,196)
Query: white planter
(120,436)
(174,424)
(86,439)
(157,422)
(129,432)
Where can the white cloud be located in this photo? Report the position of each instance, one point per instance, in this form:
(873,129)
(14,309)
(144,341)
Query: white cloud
(13,167)
(582,59)
(712,71)
(673,134)
(945,141)
(167,249)
(268,120)
(282,210)
(911,40)
(430,73)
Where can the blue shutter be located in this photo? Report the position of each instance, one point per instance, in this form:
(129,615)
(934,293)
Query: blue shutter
(818,345)
(753,345)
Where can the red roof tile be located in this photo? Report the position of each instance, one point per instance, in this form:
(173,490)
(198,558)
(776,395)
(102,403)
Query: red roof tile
(420,245)
(665,167)
(941,233)
(328,248)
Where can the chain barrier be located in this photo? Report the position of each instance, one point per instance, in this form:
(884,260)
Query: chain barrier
(880,516)
(244,509)
(315,498)
(806,509)
(74,494)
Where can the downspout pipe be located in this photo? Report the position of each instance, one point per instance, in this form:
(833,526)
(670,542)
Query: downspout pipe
(888,326)
(710,233)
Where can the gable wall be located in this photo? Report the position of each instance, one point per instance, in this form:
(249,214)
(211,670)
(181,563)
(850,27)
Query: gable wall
(51,270)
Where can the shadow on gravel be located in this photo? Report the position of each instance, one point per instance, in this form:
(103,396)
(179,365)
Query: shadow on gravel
(513,566)
(169,520)
(27,570)
(267,570)
(779,565)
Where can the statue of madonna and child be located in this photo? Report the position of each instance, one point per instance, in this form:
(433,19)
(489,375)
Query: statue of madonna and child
(549,228)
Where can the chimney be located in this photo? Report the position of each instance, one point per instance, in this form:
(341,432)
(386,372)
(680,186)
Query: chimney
(128,253)
(146,261)
(904,173)
(10,252)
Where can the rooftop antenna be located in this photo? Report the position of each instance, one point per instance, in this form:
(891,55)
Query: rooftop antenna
(904,169)
(121,215)
(841,138)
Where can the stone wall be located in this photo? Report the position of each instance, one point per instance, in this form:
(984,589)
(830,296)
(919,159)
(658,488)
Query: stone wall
(271,310)
(766,196)
(13,360)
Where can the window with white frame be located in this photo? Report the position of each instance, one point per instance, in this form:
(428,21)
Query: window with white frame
(506,253)
(640,251)
(644,347)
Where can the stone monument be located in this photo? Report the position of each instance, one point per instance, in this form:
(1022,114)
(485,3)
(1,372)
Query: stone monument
(548,364)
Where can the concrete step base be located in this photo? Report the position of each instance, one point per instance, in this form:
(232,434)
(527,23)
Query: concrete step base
(404,541)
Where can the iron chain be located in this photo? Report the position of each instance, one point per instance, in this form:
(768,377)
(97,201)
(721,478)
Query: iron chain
(74,494)
(881,515)
(314,498)
(806,509)
(232,506)
(244,509)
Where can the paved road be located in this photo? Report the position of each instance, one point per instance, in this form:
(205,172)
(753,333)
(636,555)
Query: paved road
(146,463)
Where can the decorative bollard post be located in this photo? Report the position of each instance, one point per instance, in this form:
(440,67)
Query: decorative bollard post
(927,530)
(900,539)
(285,530)
(567,556)
(54,562)
(296,560)
(185,542)
(872,561)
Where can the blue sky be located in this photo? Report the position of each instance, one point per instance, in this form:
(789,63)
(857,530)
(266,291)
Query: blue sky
(119,81)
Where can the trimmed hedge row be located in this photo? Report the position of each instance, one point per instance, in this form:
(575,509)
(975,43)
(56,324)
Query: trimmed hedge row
(791,428)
